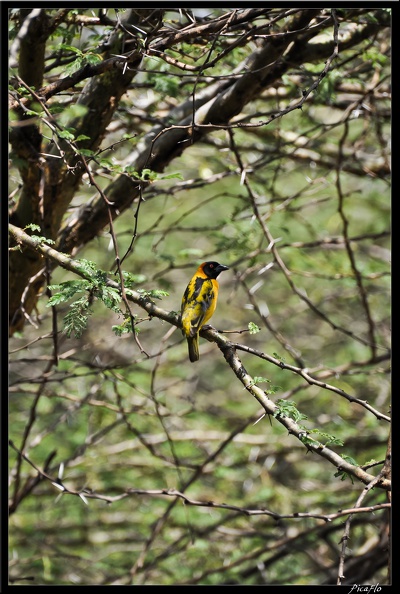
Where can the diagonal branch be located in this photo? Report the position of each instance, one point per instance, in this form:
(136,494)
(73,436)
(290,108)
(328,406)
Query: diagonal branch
(229,351)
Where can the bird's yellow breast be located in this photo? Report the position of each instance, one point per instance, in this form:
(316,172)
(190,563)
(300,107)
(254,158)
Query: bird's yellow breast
(198,304)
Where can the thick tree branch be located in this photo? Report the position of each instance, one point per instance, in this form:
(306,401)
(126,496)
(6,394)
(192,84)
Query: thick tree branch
(214,107)
(50,183)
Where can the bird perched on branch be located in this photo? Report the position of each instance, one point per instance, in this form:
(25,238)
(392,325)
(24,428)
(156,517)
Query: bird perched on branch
(198,303)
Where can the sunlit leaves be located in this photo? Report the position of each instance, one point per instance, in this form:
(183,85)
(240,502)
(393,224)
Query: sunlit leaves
(75,321)
(81,59)
(253,328)
(288,408)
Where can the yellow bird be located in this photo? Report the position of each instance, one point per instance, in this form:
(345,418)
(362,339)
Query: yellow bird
(199,302)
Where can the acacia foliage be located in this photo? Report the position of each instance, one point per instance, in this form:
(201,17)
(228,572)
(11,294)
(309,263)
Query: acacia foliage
(142,142)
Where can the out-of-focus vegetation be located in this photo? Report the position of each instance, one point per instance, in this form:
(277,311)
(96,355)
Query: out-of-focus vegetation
(146,141)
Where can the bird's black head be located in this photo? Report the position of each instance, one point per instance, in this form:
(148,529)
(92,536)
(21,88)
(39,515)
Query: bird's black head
(213,269)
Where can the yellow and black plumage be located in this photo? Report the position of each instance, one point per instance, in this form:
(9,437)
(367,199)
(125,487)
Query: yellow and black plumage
(199,302)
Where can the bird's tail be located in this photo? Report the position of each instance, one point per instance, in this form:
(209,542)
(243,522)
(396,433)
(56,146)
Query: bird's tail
(193,347)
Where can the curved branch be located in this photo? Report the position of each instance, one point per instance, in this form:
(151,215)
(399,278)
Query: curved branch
(86,494)
(215,106)
(229,351)
(51,183)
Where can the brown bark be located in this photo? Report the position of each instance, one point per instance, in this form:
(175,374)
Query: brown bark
(49,184)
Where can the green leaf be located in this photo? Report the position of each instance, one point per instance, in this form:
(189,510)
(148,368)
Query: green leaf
(66,134)
(371,462)
(92,58)
(54,109)
(67,290)
(253,328)
(82,137)
(32,113)
(75,66)
(110,297)
(304,438)
(124,328)
(131,279)
(154,293)
(39,239)
(32,227)
(70,48)
(330,439)
(258,379)
(56,299)
(341,473)
(287,408)
(148,175)
(75,322)
(86,152)
(120,330)
(87,266)
(273,390)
